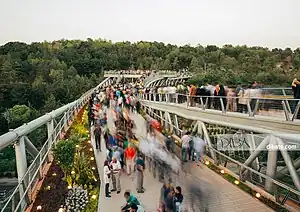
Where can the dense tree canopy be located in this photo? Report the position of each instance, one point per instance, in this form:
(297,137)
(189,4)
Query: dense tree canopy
(45,75)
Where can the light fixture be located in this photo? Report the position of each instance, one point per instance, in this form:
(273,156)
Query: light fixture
(257,195)
(92,158)
(69,187)
(94,196)
(48,188)
(222,171)
(207,162)
(39,208)
(54,174)
(91,149)
(93,168)
(236,182)
(72,172)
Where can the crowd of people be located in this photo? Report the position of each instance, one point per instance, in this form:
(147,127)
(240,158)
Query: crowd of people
(125,154)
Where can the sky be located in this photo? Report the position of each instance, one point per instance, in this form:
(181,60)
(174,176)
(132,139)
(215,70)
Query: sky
(268,23)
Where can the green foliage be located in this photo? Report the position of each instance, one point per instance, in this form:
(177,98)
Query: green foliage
(19,114)
(93,203)
(64,152)
(83,170)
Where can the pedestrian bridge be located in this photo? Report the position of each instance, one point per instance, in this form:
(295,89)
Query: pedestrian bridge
(222,195)
(217,193)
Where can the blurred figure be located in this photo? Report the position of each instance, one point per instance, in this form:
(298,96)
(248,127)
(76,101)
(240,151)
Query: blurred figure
(199,145)
(97,134)
(178,199)
(185,146)
(140,167)
(136,208)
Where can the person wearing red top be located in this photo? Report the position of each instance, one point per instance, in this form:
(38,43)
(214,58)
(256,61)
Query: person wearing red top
(130,154)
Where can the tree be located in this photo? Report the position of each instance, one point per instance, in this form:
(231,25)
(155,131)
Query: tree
(19,115)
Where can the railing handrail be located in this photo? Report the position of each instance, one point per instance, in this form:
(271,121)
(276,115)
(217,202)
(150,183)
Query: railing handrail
(9,137)
(234,97)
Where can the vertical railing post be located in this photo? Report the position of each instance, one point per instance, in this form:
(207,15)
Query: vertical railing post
(222,105)
(21,162)
(65,121)
(50,128)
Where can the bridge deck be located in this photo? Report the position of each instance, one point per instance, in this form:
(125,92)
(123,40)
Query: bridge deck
(217,193)
(266,123)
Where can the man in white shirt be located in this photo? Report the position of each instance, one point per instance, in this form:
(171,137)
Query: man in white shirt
(185,146)
(199,145)
(116,167)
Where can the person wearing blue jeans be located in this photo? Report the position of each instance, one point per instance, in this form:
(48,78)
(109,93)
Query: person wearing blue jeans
(199,145)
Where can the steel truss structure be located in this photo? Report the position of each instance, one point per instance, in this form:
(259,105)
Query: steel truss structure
(250,167)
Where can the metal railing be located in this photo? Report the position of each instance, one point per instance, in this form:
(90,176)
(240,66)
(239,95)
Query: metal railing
(283,192)
(29,177)
(282,108)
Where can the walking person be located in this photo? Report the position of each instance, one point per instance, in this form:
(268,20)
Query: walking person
(97,134)
(130,155)
(199,145)
(107,174)
(185,146)
(191,149)
(140,167)
(178,199)
(116,168)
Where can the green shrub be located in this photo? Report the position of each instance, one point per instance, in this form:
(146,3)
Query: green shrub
(64,153)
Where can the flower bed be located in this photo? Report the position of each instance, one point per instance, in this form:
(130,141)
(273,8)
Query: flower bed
(73,169)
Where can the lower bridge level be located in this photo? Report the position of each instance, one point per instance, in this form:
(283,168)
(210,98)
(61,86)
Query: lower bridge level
(202,188)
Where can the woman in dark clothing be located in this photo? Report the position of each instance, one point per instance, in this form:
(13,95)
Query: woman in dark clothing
(178,199)
(222,93)
(169,202)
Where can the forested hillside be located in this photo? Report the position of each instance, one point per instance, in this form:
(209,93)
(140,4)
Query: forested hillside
(37,78)
(45,75)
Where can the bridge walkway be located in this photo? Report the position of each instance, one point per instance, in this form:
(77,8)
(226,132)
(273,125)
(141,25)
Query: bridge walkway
(214,117)
(216,192)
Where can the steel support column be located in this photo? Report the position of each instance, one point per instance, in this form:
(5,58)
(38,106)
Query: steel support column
(51,137)
(289,164)
(207,138)
(21,162)
(271,164)
(252,145)
(30,147)
(282,173)
(176,124)
(256,152)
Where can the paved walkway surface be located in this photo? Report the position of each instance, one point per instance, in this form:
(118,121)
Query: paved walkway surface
(267,123)
(201,186)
